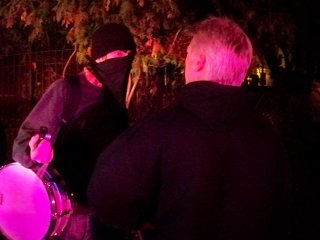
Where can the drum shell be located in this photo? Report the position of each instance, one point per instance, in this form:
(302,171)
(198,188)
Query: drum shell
(31,206)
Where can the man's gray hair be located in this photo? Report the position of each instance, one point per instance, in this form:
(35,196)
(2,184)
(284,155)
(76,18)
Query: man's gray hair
(227,47)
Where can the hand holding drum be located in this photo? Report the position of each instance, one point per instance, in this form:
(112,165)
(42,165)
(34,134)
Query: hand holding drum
(41,150)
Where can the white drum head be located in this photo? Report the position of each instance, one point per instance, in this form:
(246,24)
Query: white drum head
(25,208)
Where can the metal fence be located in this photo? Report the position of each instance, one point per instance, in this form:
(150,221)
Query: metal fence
(23,79)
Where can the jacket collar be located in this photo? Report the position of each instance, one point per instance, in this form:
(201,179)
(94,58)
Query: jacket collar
(213,103)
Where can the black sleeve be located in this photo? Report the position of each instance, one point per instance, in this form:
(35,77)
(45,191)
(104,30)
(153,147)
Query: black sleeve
(47,113)
(121,190)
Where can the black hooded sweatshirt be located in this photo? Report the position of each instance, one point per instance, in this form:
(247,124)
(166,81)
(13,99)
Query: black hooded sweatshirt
(205,169)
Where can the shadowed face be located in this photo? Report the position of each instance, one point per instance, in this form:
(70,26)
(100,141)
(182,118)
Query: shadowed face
(112,70)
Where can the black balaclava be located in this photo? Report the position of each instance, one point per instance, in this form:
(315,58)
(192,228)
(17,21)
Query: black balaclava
(112,73)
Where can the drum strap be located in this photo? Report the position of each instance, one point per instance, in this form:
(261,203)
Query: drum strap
(72,102)
(73,95)
(72,98)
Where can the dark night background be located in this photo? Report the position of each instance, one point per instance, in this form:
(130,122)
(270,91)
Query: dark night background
(304,13)
(286,107)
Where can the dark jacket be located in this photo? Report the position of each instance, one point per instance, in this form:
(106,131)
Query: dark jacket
(206,169)
(48,112)
(93,121)
(3,144)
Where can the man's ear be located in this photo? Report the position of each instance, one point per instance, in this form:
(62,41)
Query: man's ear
(200,62)
(88,51)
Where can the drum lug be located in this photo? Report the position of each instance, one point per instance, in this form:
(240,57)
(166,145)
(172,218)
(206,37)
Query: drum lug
(61,214)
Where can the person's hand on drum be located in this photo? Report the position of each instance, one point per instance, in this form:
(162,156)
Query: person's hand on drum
(41,150)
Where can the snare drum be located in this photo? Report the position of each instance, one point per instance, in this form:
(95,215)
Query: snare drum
(31,207)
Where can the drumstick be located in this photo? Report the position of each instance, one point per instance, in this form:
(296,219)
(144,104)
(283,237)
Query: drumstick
(43,135)
(42,170)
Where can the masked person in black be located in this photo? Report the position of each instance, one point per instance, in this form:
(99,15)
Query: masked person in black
(83,114)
